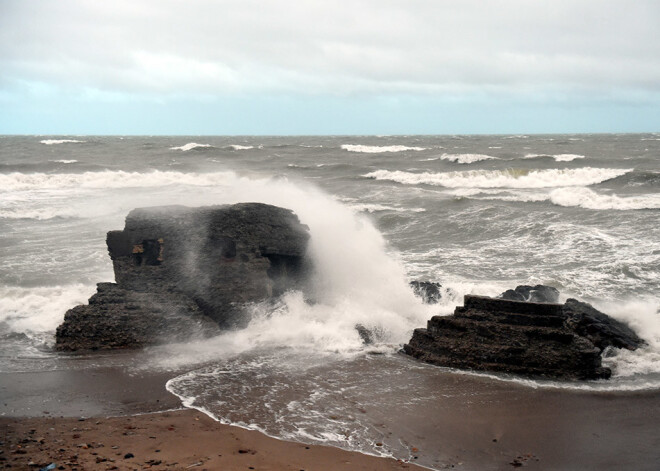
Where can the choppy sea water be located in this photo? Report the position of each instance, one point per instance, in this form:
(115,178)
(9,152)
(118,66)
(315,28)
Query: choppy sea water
(479,214)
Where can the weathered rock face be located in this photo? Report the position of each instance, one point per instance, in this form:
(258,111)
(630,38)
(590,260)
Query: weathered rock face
(176,264)
(599,328)
(534,339)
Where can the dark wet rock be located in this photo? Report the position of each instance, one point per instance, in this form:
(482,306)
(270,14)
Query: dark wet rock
(120,318)
(181,272)
(427,290)
(534,294)
(365,334)
(602,330)
(490,334)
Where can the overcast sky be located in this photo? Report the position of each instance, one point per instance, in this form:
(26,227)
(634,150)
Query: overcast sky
(329,67)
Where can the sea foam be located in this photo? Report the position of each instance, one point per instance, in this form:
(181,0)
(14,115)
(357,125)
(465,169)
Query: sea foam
(378,149)
(503,178)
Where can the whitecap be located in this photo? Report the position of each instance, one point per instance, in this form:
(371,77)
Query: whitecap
(50,142)
(378,149)
(557,157)
(63,161)
(510,178)
(239,147)
(586,198)
(190,146)
(466,158)
(108,179)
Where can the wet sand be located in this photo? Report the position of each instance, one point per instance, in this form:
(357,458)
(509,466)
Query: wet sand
(177,440)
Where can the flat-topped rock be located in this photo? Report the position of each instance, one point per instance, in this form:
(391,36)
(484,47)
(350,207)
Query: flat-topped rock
(563,341)
(173,263)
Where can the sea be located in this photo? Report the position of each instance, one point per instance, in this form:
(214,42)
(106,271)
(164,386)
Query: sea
(477,214)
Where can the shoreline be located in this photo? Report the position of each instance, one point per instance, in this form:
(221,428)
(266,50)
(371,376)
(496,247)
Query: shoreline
(480,424)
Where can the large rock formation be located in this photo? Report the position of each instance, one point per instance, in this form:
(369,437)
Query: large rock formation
(180,270)
(528,338)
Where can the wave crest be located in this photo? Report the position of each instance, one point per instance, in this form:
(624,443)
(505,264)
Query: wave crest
(108,179)
(557,157)
(510,178)
(378,149)
(588,199)
(191,146)
(50,142)
(466,158)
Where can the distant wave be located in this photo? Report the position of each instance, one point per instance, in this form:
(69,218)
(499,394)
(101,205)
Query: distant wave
(191,146)
(64,161)
(40,214)
(551,178)
(238,147)
(466,158)
(108,179)
(372,208)
(50,142)
(586,198)
(377,149)
(557,157)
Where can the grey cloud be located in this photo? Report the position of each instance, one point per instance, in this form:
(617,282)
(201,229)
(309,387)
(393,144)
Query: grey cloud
(386,46)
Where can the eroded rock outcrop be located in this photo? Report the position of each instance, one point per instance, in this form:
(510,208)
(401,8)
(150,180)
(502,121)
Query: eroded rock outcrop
(179,270)
(562,341)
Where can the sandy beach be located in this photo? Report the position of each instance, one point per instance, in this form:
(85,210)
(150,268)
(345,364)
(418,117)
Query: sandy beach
(106,419)
(176,440)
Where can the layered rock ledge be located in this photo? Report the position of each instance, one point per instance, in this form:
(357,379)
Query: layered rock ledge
(182,272)
(563,341)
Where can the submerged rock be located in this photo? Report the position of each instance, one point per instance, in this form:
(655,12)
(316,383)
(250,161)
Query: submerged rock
(179,270)
(527,338)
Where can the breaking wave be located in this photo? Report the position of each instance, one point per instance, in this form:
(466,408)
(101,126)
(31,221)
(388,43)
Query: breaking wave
(38,310)
(239,147)
(557,157)
(191,146)
(466,158)
(108,179)
(378,149)
(50,142)
(64,161)
(588,199)
(511,178)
